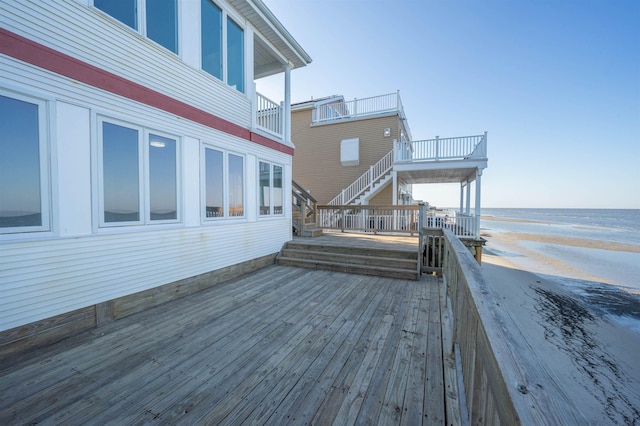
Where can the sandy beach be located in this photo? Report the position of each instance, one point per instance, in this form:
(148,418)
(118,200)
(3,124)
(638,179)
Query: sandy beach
(564,316)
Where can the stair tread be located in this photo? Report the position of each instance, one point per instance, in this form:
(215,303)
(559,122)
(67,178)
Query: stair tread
(354,256)
(353,265)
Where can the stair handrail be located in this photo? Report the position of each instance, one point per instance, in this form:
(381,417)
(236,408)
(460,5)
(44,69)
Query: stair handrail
(308,204)
(365,182)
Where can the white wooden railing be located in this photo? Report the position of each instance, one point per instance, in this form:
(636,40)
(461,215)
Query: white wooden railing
(464,147)
(375,219)
(269,115)
(461,225)
(366,181)
(357,108)
(394,219)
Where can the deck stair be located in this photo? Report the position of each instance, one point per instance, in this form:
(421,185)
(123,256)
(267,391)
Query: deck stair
(383,262)
(303,227)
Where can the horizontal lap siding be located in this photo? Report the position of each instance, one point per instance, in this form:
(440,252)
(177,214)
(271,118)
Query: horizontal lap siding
(112,47)
(317,157)
(40,279)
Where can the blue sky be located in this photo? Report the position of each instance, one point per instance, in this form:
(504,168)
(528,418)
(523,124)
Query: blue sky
(555,83)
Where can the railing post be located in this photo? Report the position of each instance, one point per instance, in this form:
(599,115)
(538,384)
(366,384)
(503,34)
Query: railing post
(437,148)
(342,201)
(371,178)
(303,215)
(342,217)
(355,107)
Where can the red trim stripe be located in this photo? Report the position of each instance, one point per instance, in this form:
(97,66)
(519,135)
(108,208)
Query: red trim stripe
(26,50)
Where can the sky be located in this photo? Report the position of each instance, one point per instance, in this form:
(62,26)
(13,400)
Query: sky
(555,83)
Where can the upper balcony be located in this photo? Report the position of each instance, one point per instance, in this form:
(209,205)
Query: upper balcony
(336,108)
(440,160)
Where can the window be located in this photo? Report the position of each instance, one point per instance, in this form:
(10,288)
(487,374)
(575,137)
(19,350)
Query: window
(24,190)
(211,38)
(215,48)
(160,18)
(138,180)
(223,170)
(270,189)
(235,56)
(125,11)
(162,23)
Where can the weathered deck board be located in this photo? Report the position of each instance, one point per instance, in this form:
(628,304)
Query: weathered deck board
(281,345)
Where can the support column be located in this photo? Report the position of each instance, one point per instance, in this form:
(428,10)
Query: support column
(468,210)
(478,193)
(461,197)
(287,103)
(394,182)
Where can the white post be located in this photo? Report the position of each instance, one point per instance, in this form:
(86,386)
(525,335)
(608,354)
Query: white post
(355,107)
(478,191)
(437,147)
(371,178)
(396,151)
(462,184)
(287,103)
(254,110)
(468,211)
(395,187)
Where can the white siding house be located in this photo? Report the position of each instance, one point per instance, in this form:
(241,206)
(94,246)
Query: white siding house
(131,148)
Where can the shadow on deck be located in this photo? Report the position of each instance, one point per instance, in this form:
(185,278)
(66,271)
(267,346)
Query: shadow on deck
(282,345)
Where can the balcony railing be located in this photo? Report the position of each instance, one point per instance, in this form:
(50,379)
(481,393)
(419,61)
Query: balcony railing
(358,108)
(459,148)
(394,219)
(269,115)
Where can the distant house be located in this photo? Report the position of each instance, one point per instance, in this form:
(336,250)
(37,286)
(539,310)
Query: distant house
(361,152)
(337,141)
(136,153)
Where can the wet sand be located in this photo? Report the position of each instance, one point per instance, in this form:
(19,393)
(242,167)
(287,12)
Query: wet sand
(577,351)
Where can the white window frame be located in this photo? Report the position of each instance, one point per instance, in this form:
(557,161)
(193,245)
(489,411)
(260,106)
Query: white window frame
(144,191)
(141,22)
(225,184)
(44,134)
(271,164)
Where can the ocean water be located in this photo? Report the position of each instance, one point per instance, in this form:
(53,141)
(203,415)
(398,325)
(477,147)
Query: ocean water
(617,225)
(613,283)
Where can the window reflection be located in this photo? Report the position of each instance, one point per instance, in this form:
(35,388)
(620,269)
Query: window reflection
(277,190)
(236,186)
(162,23)
(20,192)
(121,175)
(124,11)
(235,56)
(163,198)
(265,190)
(211,38)
(213,182)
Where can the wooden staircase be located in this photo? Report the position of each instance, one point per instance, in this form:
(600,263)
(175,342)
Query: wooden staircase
(304,212)
(382,262)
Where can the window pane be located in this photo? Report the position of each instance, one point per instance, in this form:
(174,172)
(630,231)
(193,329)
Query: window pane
(264,188)
(124,11)
(235,55)
(20,197)
(162,23)
(120,168)
(236,186)
(163,198)
(211,38)
(277,190)
(213,183)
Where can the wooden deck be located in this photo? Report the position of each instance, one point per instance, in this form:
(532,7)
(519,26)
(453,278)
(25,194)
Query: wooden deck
(282,345)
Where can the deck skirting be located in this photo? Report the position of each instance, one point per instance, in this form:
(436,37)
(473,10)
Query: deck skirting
(17,341)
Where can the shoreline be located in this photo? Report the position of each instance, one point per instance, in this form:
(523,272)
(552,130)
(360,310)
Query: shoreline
(565,317)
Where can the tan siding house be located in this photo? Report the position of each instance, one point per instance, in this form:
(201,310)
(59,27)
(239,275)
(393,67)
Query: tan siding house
(318,165)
